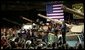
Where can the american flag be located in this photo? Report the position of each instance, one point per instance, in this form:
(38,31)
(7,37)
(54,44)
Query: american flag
(55,11)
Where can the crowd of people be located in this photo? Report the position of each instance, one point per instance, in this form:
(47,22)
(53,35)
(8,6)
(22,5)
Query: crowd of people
(34,38)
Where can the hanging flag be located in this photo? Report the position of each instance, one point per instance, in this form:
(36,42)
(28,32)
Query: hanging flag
(54,10)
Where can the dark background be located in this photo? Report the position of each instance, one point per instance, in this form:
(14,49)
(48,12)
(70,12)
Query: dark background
(11,11)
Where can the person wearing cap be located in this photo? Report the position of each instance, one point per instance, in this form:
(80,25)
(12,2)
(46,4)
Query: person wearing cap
(40,33)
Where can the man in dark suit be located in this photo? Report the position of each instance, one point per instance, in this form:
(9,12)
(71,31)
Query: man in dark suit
(63,29)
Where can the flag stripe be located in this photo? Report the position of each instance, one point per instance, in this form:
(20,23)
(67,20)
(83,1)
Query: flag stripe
(57,5)
(56,17)
(57,8)
(55,14)
(58,11)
